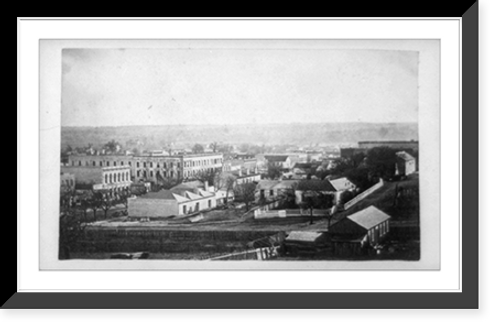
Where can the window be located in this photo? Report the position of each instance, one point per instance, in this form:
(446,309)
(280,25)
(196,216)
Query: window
(107,163)
(184,209)
(138,164)
(93,163)
(114,163)
(126,176)
(151,164)
(100,163)
(144,164)
(79,163)
(209,203)
(151,173)
(129,163)
(122,163)
(271,192)
(105,178)
(138,173)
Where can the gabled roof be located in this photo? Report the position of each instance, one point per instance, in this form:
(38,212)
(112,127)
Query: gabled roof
(180,198)
(189,185)
(192,196)
(369,217)
(286,184)
(303,236)
(404,155)
(276,158)
(315,185)
(266,184)
(162,194)
(341,184)
(204,193)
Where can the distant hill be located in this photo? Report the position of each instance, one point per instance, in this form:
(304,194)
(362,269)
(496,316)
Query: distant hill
(295,134)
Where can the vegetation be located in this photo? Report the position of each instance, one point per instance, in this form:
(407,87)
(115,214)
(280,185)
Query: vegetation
(245,193)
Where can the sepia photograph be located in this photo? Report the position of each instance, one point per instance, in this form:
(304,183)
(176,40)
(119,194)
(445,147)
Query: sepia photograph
(248,152)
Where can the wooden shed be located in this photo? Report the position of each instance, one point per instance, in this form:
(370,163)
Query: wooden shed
(359,231)
(307,243)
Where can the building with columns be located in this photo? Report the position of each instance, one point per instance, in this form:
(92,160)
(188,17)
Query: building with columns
(115,178)
(155,167)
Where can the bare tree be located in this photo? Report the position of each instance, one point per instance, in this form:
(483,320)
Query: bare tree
(245,193)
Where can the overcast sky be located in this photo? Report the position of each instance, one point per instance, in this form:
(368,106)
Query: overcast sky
(116,87)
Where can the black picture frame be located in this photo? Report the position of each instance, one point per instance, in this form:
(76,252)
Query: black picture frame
(467,298)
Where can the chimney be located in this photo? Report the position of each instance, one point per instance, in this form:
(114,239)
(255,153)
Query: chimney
(206,185)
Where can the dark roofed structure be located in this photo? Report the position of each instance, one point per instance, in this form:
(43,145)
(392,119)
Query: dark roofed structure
(276,158)
(315,185)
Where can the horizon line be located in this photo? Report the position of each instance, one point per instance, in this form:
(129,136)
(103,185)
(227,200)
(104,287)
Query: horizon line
(241,124)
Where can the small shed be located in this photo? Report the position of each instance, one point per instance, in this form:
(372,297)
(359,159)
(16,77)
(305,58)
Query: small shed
(363,229)
(307,243)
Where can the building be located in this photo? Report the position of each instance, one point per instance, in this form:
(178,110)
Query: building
(313,187)
(281,161)
(115,178)
(412,144)
(307,243)
(198,163)
(156,166)
(341,185)
(349,152)
(360,231)
(406,164)
(68,182)
(170,203)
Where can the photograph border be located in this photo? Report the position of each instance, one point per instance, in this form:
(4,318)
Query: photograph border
(468,298)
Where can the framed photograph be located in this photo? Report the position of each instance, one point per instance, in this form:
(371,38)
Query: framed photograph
(246,160)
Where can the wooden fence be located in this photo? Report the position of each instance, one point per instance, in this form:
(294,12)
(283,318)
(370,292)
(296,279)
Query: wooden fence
(255,254)
(263,214)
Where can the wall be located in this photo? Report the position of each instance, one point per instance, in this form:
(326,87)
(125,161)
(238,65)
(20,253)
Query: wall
(191,205)
(363,194)
(85,174)
(267,214)
(153,208)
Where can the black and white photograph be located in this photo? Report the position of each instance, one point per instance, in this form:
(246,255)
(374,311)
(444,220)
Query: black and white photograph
(252,152)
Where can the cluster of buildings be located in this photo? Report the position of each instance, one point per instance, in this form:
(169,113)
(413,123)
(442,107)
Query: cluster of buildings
(272,190)
(188,195)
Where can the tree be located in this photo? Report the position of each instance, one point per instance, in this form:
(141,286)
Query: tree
(94,203)
(198,149)
(105,203)
(112,146)
(273,171)
(214,146)
(71,229)
(207,176)
(381,163)
(245,193)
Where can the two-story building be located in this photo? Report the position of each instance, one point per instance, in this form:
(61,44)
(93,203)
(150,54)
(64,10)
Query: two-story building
(115,178)
(167,203)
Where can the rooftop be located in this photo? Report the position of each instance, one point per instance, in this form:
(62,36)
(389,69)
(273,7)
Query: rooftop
(303,236)
(404,155)
(276,158)
(315,185)
(369,217)
(341,184)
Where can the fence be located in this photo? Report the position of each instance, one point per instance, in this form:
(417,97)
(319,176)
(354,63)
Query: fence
(263,214)
(363,194)
(256,254)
